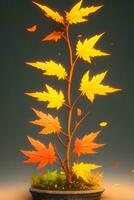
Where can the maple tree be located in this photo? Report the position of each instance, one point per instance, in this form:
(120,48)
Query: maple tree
(90,86)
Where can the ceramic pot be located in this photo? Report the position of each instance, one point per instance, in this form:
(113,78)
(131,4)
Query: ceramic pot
(38,194)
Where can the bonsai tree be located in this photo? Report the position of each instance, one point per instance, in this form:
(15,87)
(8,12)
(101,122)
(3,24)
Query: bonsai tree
(76,174)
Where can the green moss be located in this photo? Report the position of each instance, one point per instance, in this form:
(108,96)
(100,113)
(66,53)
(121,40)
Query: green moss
(56,180)
(51,180)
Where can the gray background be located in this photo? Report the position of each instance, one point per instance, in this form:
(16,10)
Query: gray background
(19,46)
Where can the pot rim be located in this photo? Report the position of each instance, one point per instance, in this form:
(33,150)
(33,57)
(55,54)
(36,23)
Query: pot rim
(66,192)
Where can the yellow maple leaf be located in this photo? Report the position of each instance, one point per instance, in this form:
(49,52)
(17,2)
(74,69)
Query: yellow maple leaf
(54,99)
(82,170)
(103,124)
(48,122)
(91,87)
(77,14)
(50,68)
(86,50)
(54,15)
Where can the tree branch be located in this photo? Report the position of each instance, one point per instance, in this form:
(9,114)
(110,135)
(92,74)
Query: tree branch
(76,100)
(64,133)
(75,60)
(78,124)
(60,160)
(68,106)
(60,140)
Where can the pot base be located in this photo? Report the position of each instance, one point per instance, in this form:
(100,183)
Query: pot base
(39,194)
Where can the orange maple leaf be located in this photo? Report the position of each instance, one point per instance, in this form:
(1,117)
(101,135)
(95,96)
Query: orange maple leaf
(32,29)
(50,124)
(86,145)
(41,155)
(79,112)
(55,35)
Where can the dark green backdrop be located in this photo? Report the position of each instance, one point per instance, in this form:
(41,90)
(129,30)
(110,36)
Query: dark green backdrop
(19,46)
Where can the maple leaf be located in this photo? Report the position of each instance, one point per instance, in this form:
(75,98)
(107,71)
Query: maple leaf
(86,145)
(93,87)
(55,35)
(103,124)
(32,29)
(96,178)
(77,14)
(50,68)
(83,170)
(41,154)
(115,164)
(79,112)
(50,124)
(55,99)
(54,15)
(86,50)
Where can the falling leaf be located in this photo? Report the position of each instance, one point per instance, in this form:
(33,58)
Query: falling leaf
(86,145)
(78,14)
(86,50)
(93,87)
(50,68)
(49,123)
(32,29)
(55,35)
(83,170)
(54,15)
(79,112)
(115,164)
(103,124)
(41,154)
(54,99)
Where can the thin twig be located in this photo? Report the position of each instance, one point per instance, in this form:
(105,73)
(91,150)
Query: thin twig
(76,100)
(60,140)
(64,37)
(65,104)
(65,161)
(64,133)
(75,60)
(78,124)
(60,159)
(67,79)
